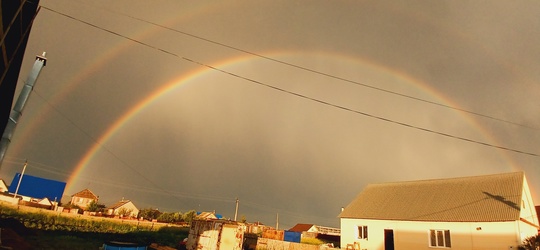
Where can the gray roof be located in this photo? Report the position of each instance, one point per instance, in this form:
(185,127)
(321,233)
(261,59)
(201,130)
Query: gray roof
(468,199)
(119,204)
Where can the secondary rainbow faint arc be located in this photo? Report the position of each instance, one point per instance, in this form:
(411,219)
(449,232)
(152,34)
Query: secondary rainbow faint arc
(132,112)
(98,63)
(121,121)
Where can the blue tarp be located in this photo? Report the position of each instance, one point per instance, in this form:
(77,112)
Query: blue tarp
(37,187)
(291,236)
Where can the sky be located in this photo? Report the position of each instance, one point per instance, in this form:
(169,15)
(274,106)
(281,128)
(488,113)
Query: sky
(293,107)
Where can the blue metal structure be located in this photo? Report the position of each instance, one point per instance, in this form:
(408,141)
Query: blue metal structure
(291,236)
(37,187)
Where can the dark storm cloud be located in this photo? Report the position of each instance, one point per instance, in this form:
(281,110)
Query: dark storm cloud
(218,137)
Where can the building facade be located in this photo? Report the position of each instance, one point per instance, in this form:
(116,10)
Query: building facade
(480,212)
(123,208)
(83,198)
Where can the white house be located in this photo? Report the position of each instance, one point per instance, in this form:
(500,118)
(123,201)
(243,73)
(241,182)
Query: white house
(312,230)
(83,198)
(480,212)
(123,207)
(3,186)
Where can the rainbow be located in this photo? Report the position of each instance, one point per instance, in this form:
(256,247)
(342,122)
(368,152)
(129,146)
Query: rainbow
(98,64)
(192,77)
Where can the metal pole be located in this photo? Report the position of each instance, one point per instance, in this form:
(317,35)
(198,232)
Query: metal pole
(277,221)
(20,180)
(16,113)
(236,210)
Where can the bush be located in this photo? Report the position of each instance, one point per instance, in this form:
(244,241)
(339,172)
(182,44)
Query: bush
(312,241)
(52,221)
(531,243)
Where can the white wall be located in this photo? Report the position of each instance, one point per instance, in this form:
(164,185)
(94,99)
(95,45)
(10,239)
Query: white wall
(9,199)
(528,213)
(128,206)
(415,235)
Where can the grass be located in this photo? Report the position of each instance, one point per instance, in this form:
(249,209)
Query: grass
(42,229)
(54,239)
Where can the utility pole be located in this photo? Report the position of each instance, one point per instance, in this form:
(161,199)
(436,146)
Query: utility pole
(277,221)
(236,210)
(16,113)
(20,179)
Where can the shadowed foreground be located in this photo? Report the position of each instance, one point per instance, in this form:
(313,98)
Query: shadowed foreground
(15,235)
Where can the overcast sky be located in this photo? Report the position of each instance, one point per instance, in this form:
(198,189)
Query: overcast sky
(292,107)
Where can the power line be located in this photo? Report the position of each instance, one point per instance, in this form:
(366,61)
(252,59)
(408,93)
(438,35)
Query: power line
(108,150)
(157,190)
(295,93)
(323,73)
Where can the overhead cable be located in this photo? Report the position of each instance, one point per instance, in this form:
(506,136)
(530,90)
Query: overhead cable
(325,74)
(298,94)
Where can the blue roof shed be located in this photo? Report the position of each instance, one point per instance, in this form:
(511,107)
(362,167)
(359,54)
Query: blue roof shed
(37,187)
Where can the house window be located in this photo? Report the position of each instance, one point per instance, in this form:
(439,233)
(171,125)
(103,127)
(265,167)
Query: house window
(362,232)
(439,238)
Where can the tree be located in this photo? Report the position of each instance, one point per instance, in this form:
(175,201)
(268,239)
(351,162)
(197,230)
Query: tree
(189,216)
(530,243)
(93,206)
(124,212)
(177,217)
(149,213)
(165,217)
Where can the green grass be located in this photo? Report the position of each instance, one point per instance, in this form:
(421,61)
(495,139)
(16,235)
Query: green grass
(46,230)
(87,240)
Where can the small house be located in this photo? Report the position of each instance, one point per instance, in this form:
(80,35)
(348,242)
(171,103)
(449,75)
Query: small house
(478,212)
(29,188)
(83,198)
(123,208)
(3,186)
(208,216)
(326,234)
(306,230)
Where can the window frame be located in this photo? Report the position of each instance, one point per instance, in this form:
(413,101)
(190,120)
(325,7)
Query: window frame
(362,232)
(439,238)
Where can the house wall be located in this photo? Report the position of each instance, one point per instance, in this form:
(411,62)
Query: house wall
(3,187)
(81,202)
(9,199)
(415,235)
(129,206)
(526,230)
(528,215)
